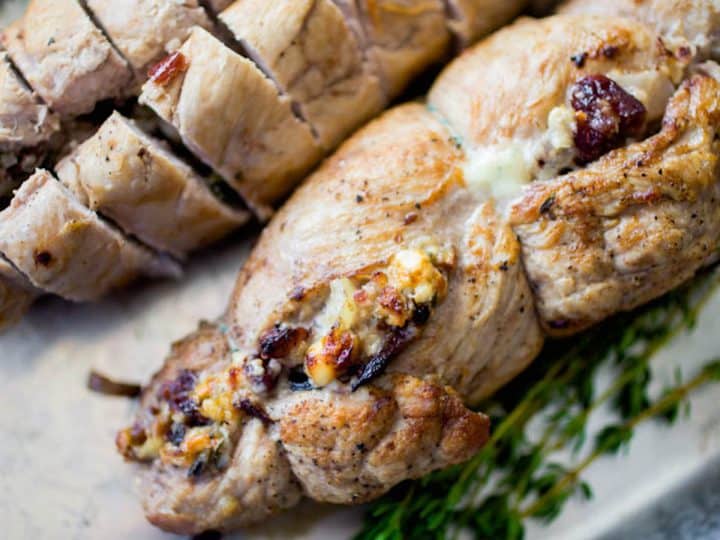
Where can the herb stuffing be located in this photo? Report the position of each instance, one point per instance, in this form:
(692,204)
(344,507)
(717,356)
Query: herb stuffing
(518,475)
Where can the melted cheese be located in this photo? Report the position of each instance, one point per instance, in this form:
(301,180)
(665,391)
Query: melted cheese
(348,322)
(412,272)
(499,171)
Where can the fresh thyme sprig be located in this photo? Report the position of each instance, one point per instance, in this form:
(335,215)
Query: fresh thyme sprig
(516,476)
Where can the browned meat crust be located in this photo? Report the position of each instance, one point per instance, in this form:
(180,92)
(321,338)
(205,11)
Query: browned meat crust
(275,459)
(397,268)
(631,226)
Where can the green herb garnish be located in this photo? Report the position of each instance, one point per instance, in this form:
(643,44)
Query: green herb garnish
(546,409)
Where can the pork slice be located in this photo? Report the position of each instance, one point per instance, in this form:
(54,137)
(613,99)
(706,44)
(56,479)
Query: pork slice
(16,294)
(64,248)
(144,31)
(137,182)
(26,127)
(233,118)
(631,226)
(307,47)
(403,38)
(65,57)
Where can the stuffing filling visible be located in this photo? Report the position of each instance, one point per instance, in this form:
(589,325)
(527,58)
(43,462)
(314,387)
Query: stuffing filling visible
(369,318)
(601,114)
(195,420)
(362,324)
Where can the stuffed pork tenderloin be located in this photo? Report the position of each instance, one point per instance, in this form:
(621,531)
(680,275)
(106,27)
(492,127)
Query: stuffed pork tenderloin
(535,195)
(238,116)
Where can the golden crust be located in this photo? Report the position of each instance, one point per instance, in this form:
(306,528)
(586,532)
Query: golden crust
(350,448)
(630,226)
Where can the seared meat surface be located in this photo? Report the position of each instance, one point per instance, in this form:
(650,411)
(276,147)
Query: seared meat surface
(212,475)
(234,119)
(633,225)
(516,112)
(536,194)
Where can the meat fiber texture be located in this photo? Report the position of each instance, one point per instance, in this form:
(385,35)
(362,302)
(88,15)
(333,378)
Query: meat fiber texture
(550,244)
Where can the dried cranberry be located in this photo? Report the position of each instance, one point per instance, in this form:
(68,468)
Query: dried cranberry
(606,116)
(177,390)
(421,314)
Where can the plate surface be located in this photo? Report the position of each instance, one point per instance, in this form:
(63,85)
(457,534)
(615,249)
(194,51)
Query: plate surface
(61,477)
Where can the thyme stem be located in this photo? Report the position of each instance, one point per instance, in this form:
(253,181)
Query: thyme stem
(671,398)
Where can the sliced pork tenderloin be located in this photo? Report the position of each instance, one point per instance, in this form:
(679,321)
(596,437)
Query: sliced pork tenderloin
(65,249)
(233,118)
(66,59)
(141,186)
(402,265)
(308,48)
